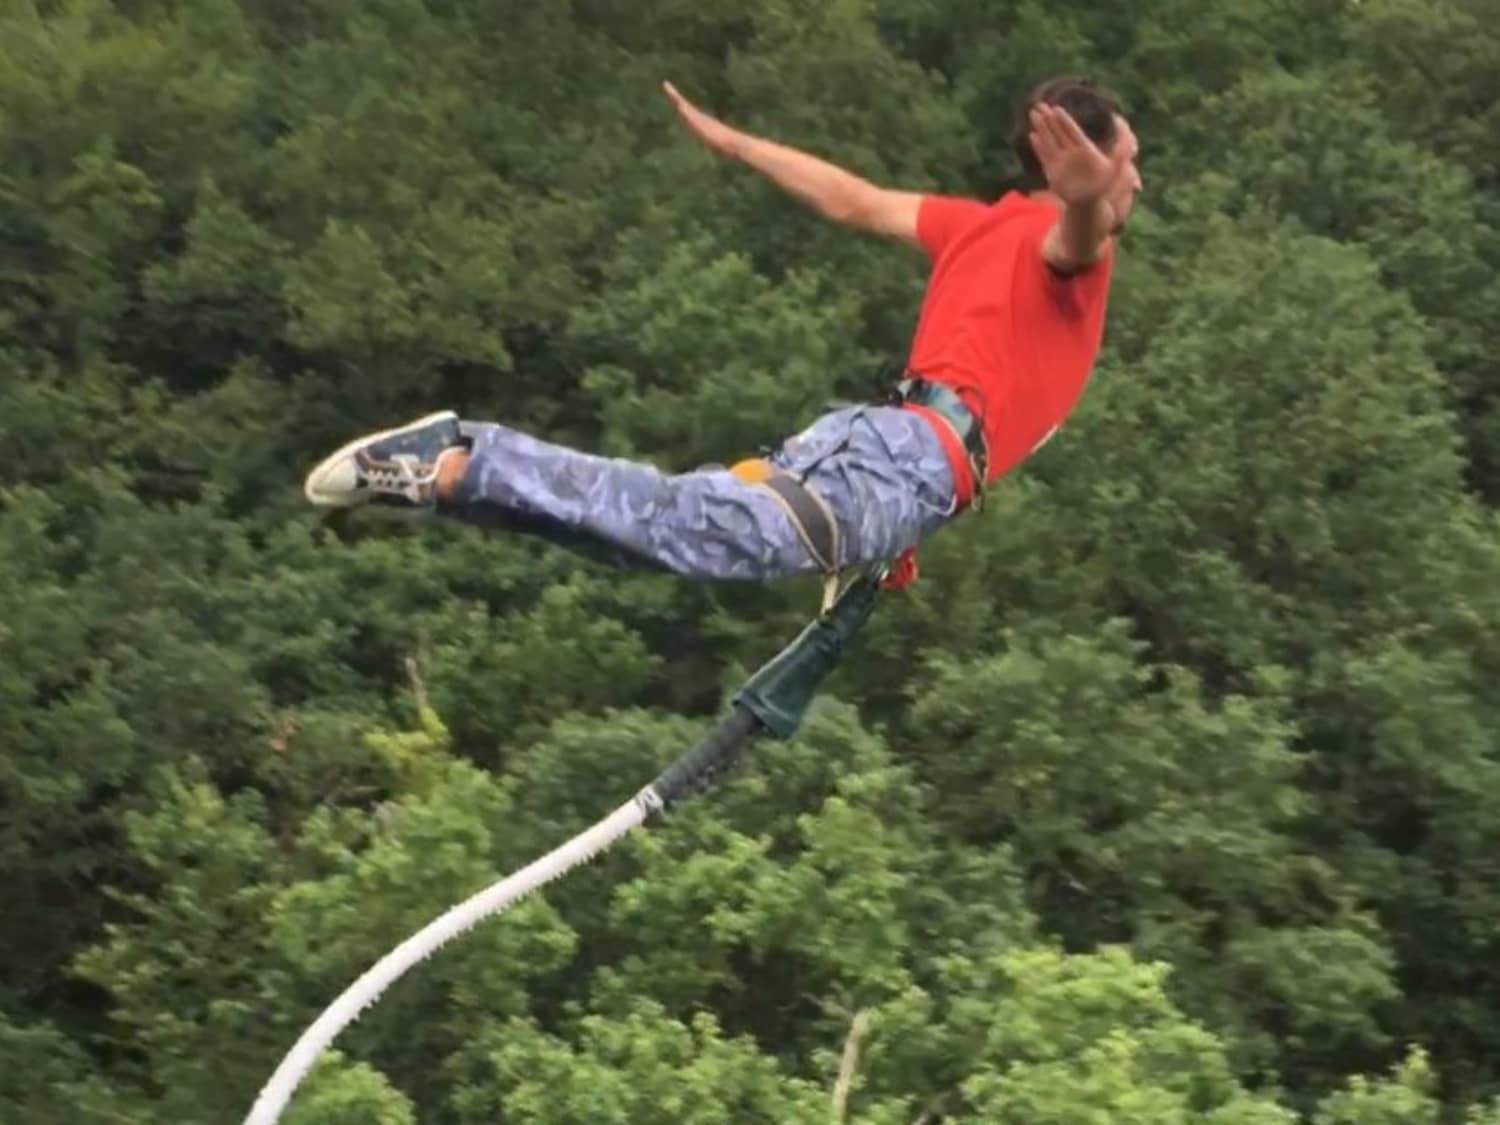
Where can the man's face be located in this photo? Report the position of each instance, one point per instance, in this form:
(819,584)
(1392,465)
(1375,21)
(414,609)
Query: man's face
(1122,193)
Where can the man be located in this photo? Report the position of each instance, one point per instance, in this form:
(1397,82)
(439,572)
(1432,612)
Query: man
(1009,328)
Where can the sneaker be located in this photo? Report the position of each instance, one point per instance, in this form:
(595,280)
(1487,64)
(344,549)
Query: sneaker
(395,466)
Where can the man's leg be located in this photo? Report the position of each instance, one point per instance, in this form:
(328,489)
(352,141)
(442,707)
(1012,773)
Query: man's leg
(881,471)
(704,524)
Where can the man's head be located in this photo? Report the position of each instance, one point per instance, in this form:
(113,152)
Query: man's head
(1099,114)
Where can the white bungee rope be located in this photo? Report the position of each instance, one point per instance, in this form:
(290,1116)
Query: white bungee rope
(279,1089)
(771,702)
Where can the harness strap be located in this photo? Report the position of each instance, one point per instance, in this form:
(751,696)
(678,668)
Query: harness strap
(947,410)
(810,515)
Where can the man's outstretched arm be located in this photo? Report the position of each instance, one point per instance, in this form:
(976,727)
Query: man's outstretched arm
(832,191)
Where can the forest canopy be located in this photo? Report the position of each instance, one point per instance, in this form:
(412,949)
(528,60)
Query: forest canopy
(1170,792)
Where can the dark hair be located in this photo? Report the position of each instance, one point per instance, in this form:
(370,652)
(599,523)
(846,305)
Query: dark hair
(1093,106)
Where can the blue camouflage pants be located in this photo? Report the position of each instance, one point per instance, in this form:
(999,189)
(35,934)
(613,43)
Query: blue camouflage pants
(881,470)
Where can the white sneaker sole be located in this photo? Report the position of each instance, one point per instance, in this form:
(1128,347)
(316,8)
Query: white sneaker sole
(332,467)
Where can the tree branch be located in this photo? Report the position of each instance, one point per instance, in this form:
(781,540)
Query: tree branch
(854,1044)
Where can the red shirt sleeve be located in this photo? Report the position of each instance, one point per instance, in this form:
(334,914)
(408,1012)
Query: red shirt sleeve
(941,217)
(1074,293)
(1078,292)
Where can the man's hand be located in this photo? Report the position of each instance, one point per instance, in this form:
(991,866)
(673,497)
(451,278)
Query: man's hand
(1077,172)
(710,130)
(1090,184)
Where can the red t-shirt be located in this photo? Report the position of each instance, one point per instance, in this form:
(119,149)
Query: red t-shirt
(1016,339)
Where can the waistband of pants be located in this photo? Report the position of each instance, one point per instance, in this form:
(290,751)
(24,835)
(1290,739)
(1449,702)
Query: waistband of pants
(959,430)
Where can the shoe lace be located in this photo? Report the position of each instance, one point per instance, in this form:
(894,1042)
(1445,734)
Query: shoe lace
(402,476)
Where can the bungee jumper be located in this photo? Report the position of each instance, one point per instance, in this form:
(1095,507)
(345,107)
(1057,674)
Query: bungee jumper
(1009,328)
(1008,332)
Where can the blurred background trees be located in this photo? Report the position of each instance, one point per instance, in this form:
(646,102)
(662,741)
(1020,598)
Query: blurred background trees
(1169,794)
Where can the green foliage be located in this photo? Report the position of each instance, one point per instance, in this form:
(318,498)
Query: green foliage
(1096,1037)
(1406,1097)
(1168,794)
(642,1067)
(682,378)
(45,1079)
(525,670)
(340,1094)
(182,972)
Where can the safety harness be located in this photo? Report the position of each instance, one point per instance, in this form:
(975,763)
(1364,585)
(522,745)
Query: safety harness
(810,513)
(943,401)
(814,519)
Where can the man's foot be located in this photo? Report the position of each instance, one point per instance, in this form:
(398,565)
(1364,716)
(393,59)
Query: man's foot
(397,466)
